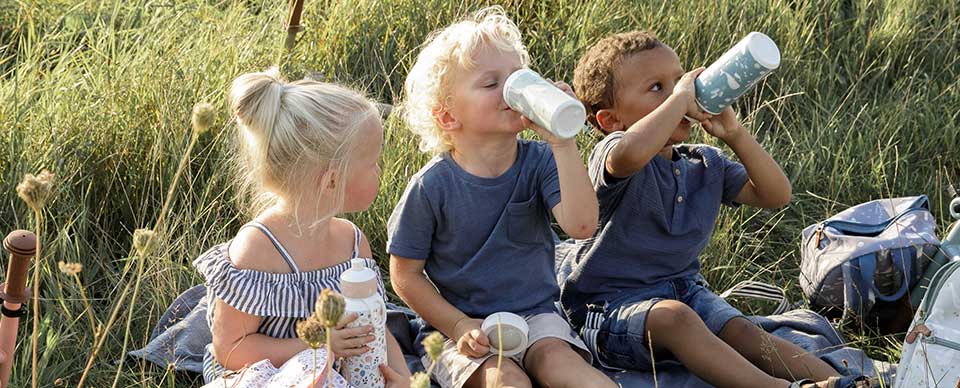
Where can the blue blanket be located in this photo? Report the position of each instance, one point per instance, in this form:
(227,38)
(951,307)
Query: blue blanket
(182,333)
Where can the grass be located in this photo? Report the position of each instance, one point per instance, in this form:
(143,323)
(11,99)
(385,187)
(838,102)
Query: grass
(865,105)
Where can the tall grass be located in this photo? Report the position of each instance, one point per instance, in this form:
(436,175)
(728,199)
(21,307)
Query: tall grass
(865,105)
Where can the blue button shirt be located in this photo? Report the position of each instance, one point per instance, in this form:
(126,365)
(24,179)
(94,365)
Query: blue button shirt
(653,224)
(487,242)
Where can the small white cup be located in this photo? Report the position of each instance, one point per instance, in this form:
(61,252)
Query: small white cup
(543,103)
(514,329)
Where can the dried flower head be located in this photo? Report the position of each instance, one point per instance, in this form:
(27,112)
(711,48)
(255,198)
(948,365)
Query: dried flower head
(420,380)
(144,241)
(70,268)
(329,308)
(312,332)
(202,118)
(36,189)
(433,344)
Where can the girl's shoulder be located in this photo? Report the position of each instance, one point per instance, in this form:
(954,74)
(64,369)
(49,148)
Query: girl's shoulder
(251,249)
(353,233)
(257,249)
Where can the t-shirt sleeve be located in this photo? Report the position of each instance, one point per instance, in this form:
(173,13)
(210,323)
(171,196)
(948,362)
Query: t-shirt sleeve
(549,179)
(412,223)
(734,177)
(599,176)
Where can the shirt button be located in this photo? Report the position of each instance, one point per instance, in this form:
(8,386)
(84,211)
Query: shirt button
(676,171)
(679,199)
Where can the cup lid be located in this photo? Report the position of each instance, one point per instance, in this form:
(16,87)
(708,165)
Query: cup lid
(763,50)
(358,272)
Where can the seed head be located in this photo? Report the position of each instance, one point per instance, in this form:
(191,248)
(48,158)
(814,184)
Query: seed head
(202,118)
(70,268)
(312,332)
(36,190)
(433,344)
(144,241)
(420,380)
(329,308)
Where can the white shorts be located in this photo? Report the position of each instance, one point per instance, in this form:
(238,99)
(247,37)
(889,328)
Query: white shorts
(454,369)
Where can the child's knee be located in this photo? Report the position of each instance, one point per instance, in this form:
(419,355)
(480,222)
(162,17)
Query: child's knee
(546,350)
(740,329)
(670,315)
(511,374)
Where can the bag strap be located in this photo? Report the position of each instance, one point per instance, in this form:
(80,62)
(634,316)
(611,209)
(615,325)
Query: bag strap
(853,296)
(868,267)
(759,290)
(850,294)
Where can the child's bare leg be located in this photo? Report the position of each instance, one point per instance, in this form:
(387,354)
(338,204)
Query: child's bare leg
(553,363)
(772,354)
(510,375)
(675,327)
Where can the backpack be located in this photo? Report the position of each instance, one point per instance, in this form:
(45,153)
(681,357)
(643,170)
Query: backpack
(864,259)
(931,349)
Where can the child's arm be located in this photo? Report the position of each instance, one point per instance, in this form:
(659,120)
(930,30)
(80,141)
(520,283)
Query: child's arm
(768,187)
(577,212)
(647,136)
(412,285)
(236,343)
(395,356)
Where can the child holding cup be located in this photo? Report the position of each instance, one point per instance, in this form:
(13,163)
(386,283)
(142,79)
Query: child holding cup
(636,283)
(471,235)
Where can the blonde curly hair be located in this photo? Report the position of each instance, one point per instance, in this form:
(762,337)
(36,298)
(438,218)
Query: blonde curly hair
(427,87)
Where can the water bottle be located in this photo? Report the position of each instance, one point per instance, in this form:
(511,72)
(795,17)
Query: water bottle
(736,72)
(359,288)
(527,92)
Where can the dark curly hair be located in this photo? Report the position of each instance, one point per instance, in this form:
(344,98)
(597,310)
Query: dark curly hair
(593,79)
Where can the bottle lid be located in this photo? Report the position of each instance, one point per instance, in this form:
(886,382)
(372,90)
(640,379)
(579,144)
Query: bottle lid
(358,281)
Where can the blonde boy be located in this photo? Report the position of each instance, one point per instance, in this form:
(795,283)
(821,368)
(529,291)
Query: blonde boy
(471,235)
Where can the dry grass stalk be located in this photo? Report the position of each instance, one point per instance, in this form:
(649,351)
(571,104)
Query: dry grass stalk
(36,191)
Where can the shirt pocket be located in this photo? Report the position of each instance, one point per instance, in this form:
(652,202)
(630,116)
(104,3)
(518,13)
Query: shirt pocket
(525,222)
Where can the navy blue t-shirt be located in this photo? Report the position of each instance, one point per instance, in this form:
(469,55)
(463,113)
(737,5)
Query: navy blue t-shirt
(487,242)
(653,224)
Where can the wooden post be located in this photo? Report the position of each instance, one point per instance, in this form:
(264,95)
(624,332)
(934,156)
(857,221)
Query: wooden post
(293,26)
(22,245)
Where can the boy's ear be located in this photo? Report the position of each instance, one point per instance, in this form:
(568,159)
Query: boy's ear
(608,121)
(445,120)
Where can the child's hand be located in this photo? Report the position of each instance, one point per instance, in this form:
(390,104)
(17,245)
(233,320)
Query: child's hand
(544,134)
(686,89)
(724,126)
(470,339)
(349,342)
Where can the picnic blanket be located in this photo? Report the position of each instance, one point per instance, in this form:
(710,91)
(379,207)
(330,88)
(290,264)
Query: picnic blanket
(182,333)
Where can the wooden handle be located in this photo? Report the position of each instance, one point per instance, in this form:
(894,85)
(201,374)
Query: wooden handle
(22,245)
